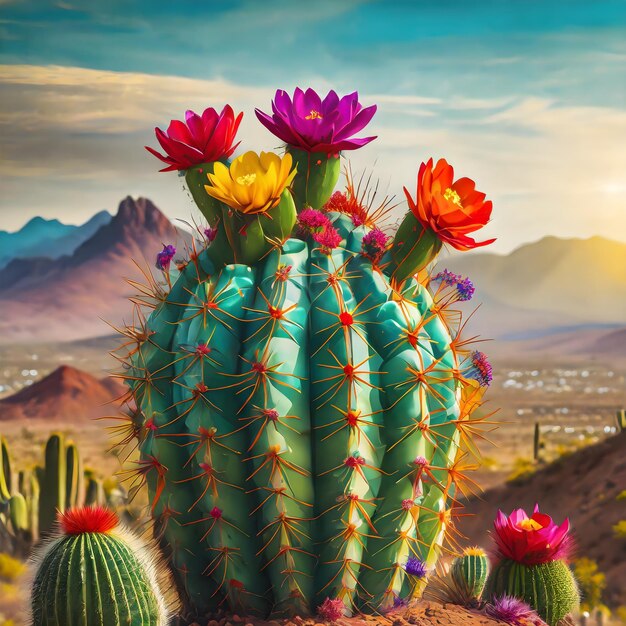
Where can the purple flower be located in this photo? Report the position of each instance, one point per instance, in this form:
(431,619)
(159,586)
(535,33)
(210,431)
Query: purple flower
(399,602)
(374,244)
(480,369)
(463,286)
(415,567)
(210,233)
(513,611)
(164,258)
(309,123)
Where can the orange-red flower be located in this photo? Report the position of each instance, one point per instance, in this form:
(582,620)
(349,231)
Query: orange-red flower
(449,208)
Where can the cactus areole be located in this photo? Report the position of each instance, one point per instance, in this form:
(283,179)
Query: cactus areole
(304,396)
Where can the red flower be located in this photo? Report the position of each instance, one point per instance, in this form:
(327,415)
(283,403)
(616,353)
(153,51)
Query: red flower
(531,540)
(88,519)
(451,209)
(199,139)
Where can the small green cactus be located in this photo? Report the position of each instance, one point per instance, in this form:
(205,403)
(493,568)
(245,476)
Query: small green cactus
(549,588)
(532,564)
(469,573)
(95,573)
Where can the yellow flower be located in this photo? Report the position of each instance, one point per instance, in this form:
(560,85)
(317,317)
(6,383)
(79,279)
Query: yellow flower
(253,183)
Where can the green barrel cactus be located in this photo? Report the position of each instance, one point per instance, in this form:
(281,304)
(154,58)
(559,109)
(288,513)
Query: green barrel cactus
(532,566)
(304,397)
(469,573)
(95,573)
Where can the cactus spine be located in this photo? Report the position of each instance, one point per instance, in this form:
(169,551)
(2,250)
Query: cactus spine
(95,573)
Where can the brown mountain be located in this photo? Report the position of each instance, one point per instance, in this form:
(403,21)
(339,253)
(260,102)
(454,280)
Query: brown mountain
(67,394)
(69,298)
(582,486)
(550,285)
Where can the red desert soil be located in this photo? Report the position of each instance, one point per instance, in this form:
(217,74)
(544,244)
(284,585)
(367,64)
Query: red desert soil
(583,486)
(421,614)
(67,395)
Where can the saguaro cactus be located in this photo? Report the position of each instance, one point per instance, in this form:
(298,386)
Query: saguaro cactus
(303,394)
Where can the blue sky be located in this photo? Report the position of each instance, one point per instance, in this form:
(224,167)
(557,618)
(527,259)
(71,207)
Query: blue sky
(527,97)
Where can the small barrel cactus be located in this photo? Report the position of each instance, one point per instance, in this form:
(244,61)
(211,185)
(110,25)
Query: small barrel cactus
(469,573)
(532,564)
(303,393)
(95,573)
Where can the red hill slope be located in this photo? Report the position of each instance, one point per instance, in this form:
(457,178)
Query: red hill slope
(67,394)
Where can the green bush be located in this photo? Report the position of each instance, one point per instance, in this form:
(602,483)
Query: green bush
(591,581)
(619,529)
(522,468)
(10,569)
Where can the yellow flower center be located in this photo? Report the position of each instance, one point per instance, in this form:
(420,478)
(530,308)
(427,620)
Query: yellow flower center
(530,524)
(474,551)
(452,196)
(314,115)
(246,179)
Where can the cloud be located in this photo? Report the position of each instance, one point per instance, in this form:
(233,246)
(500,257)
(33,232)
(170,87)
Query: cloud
(72,143)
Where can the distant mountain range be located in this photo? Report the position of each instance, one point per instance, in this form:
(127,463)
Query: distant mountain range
(49,238)
(44,299)
(550,286)
(561,294)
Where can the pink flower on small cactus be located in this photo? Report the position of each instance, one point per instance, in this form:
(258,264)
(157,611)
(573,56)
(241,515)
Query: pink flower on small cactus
(531,540)
(199,139)
(331,610)
(164,258)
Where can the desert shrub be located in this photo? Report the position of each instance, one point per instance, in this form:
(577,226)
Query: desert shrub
(620,613)
(619,529)
(10,569)
(489,463)
(591,581)
(522,467)
(621,495)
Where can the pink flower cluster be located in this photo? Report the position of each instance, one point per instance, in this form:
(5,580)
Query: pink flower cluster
(314,224)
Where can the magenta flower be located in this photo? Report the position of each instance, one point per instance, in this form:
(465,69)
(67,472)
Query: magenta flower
(374,244)
(331,610)
(329,238)
(164,258)
(309,123)
(531,540)
(479,369)
(513,611)
(199,139)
